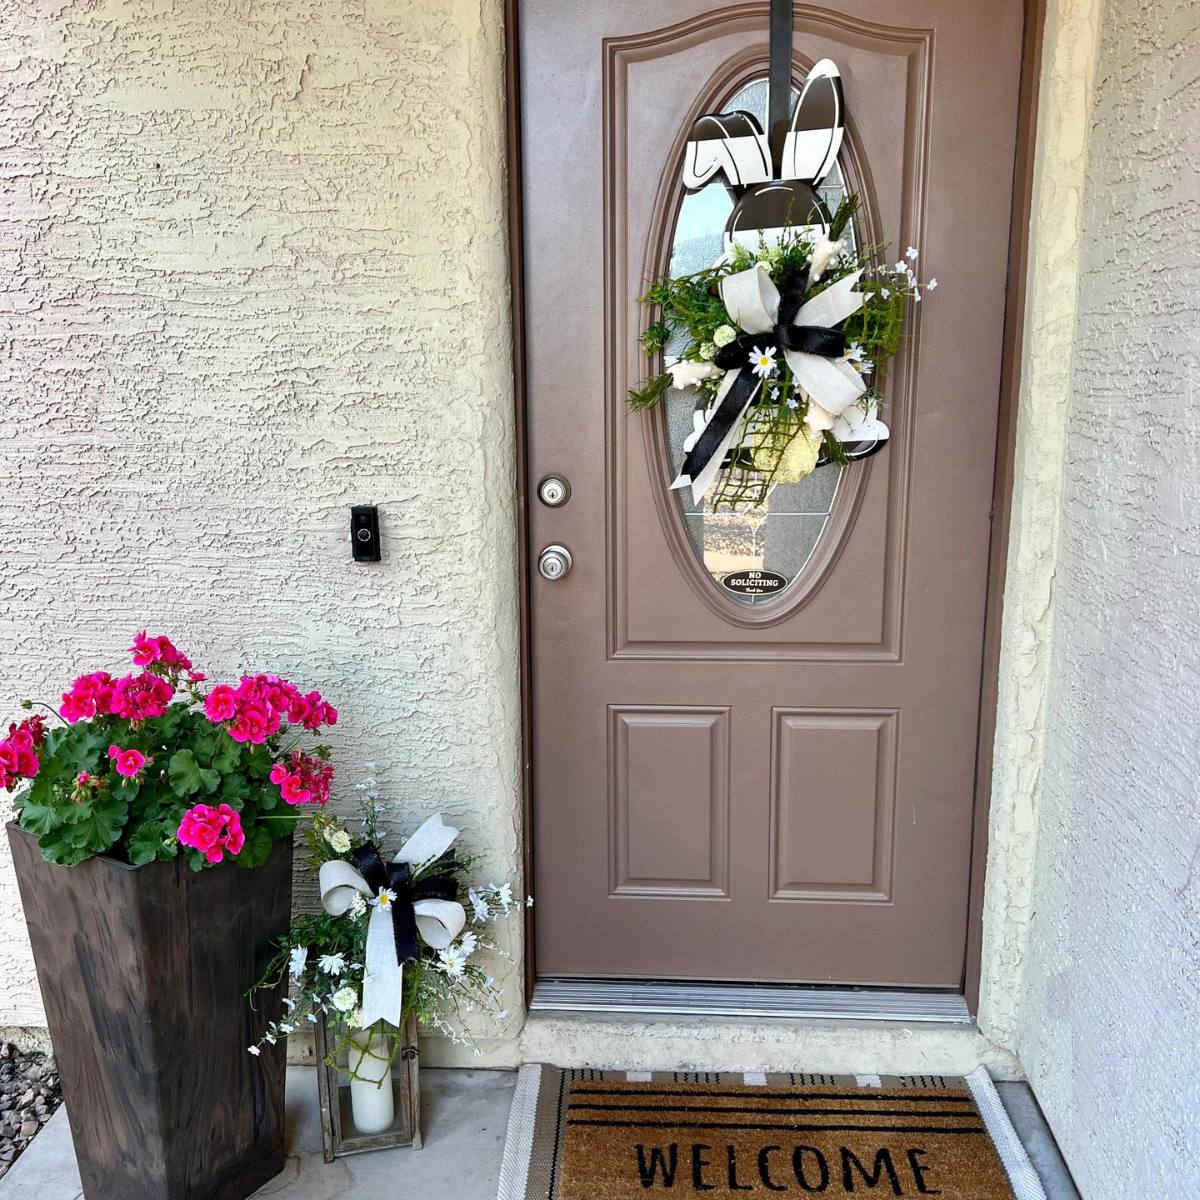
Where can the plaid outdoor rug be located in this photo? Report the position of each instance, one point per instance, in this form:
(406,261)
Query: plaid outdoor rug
(617,1135)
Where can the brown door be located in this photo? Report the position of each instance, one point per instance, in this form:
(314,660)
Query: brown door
(780,787)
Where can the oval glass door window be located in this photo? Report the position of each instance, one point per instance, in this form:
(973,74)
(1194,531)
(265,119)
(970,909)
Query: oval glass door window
(770,544)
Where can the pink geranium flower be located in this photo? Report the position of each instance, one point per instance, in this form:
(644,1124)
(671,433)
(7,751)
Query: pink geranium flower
(138,697)
(89,696)
(147,650)
(18,751)
(212,831)
(256,709)
(303,778)
(127,762)
(221,703)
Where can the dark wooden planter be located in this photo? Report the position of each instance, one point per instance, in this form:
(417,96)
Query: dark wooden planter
(143,972)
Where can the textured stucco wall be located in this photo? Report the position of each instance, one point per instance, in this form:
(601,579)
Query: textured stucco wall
(1112,979)
(253,269)
(1065,94)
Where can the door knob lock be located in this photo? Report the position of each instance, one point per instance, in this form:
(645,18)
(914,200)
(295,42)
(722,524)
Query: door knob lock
(554,562)
(554,491)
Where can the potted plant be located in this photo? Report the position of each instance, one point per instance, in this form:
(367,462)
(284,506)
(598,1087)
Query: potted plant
(393,948)
(140,805)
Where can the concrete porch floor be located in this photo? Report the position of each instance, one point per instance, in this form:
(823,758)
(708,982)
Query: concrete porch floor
(464,1117)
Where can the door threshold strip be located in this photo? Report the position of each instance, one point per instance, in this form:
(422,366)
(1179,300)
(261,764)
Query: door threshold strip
(645,998)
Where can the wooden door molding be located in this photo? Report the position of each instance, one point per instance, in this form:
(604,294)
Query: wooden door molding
(625,321)
(1035,11)
(622,339)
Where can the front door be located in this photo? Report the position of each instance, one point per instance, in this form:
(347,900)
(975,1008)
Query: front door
(774,787)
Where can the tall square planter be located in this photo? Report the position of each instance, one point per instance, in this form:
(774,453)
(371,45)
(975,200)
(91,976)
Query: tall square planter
(143,972)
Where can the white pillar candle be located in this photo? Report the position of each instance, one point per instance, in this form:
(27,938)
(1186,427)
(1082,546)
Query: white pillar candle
(372,1106)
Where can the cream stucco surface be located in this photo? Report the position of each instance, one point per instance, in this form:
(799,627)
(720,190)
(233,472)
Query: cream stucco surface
(1107,1022)
(1070,40)
(253,270)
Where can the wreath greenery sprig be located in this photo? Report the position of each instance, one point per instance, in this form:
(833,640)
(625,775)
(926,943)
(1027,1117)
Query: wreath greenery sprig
(777,443)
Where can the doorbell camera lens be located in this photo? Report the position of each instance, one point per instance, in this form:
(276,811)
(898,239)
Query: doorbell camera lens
(365,543)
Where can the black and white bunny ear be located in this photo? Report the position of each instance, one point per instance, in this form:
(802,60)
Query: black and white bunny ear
(815,135)
(730,142)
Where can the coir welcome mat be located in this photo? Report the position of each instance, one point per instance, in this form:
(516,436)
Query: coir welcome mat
(617,1135)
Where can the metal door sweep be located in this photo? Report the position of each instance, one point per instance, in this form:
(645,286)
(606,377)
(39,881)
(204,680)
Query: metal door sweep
(746,1000)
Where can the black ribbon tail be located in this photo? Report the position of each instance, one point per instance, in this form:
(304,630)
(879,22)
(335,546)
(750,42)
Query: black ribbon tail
(404,920)
(721,422)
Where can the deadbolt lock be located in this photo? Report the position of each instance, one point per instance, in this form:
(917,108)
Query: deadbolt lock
(554,562)
(554,491)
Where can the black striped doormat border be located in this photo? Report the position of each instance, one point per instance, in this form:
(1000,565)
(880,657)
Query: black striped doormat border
(550,1103)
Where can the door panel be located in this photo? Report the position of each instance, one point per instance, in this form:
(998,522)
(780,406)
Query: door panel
(779,791)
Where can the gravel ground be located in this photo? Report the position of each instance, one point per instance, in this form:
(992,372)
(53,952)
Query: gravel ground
(29,1094)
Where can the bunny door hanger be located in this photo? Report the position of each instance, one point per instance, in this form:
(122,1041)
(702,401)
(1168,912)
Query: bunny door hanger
(774,181)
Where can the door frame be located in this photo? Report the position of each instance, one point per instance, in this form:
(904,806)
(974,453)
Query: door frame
(1002,487)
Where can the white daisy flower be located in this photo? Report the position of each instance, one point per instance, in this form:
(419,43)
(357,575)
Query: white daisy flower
(479,905)
(911,252)
(505,897)
(452,961)
(763,362)
(385,898)
(467,943)
(297,961)
(332,964)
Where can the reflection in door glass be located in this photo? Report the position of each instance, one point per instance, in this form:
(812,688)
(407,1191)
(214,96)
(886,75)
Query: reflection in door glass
(780,535)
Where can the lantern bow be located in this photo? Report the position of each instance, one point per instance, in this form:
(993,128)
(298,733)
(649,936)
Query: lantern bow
(401,909)
(803,332)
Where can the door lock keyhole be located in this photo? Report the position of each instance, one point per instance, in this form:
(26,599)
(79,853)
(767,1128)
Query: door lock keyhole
(554,562)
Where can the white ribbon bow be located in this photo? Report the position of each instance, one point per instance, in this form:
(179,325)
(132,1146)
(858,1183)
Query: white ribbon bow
(832,384)
(439,922)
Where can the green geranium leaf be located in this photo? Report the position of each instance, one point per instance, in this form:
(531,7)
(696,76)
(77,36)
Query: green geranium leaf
(98,823)
(227,757)
(35,807)
(234,790)
(257,848)
(56,849)
(81,749)
(148,842)
(188,776)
